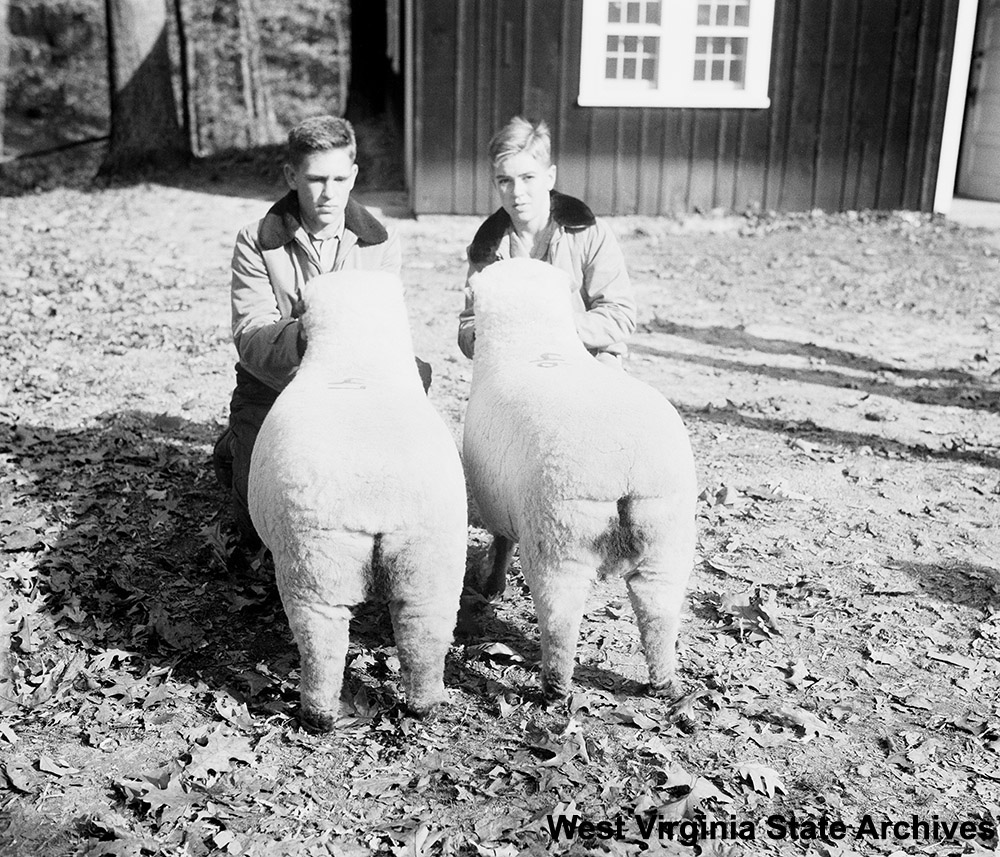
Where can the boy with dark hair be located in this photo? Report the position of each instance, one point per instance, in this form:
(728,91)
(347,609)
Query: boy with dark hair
(314,229)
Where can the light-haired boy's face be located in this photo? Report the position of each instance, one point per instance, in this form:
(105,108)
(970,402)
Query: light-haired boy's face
(524,182)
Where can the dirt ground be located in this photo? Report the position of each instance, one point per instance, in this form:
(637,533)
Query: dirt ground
(840,379)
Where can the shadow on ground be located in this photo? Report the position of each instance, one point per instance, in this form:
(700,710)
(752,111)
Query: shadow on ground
(964,391)
(121,524)
(954,582)
(123,530)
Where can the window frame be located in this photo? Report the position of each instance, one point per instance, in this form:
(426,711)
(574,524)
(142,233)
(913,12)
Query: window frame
(675,84)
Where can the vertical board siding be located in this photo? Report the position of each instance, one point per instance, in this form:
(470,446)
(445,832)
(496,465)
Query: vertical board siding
(676,160)
(464,131)
(435,115)
(805,115)
(857,90)
(889,189)
(875,52)
(838,94)
(942,73)
(628,161)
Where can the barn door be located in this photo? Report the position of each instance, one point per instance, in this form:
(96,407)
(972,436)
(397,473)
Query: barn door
(979,169)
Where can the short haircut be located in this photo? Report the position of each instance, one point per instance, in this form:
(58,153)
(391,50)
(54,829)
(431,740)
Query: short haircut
(320,134)
(521,135)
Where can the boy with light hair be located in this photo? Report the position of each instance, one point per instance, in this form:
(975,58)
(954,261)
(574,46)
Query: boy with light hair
(538,222)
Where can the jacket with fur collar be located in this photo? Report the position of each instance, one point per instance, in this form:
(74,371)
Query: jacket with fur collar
(585,248)
(272,259)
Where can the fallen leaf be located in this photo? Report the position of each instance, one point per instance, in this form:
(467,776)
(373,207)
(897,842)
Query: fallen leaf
(762,779)
(493,652)
(220,749)
(952,658)
(51,766)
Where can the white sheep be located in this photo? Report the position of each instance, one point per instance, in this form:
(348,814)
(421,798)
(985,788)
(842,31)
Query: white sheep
(356,487)
(589,469)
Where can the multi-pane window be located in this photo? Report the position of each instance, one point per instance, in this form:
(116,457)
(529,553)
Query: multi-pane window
(720,58)
(720,42)
(713,53)
(632,58)
(632,49)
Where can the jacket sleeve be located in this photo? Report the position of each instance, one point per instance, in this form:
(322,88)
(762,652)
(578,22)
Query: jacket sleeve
(392,254)
(266,343)
(467,317)
(607,292)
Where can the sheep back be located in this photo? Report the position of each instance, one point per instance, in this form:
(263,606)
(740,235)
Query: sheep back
(546,422)
(352,444)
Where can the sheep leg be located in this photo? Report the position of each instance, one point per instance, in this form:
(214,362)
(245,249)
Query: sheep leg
(501,551)
(560,595)
(321,633)
(423,633)
(656,590)
(423,604)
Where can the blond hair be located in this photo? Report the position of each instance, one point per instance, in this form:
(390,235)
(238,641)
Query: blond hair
(521,135)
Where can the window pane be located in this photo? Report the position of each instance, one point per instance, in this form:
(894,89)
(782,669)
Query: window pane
(649,69)
(699,69)
(738,47)
(718,44)
(631,44)
(704,14)
(701,45)
(718,70)
(742,16)
(614,13)
(610,68)
(736,71)
(653,12)
(633,12)
(612,44)
(628,72)
(722,15)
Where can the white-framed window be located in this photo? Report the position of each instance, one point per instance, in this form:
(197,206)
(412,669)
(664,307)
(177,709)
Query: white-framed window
(675,53)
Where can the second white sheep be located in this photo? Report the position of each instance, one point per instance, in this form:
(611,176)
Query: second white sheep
(589,469)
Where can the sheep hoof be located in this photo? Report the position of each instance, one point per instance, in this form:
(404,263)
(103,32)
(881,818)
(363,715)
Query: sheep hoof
(668,690)
(317,722)
(425,712)
(554,693)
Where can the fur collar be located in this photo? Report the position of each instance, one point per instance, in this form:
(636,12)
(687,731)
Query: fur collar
(570,213)
(281,222)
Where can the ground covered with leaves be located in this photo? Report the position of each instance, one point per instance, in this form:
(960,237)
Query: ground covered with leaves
(840,378)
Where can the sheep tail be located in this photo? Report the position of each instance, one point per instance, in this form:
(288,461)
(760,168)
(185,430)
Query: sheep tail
(378,572)
(623,540)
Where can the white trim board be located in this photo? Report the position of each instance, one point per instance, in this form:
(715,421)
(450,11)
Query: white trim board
(954,114)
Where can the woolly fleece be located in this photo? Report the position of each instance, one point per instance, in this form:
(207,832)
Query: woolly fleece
(589,469)
(356,487)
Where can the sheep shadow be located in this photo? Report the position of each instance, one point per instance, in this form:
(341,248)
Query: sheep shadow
(118,526)
(121,527)
(510,621)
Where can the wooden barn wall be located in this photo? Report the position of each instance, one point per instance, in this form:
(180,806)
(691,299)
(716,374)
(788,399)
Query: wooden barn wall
(857,90)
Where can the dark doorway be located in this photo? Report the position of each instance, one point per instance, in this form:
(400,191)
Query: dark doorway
(375,98)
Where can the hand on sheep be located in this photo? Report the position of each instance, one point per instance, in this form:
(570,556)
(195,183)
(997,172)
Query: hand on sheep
(302,339)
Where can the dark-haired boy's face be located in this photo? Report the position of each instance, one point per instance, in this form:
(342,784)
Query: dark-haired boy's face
(323,182)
